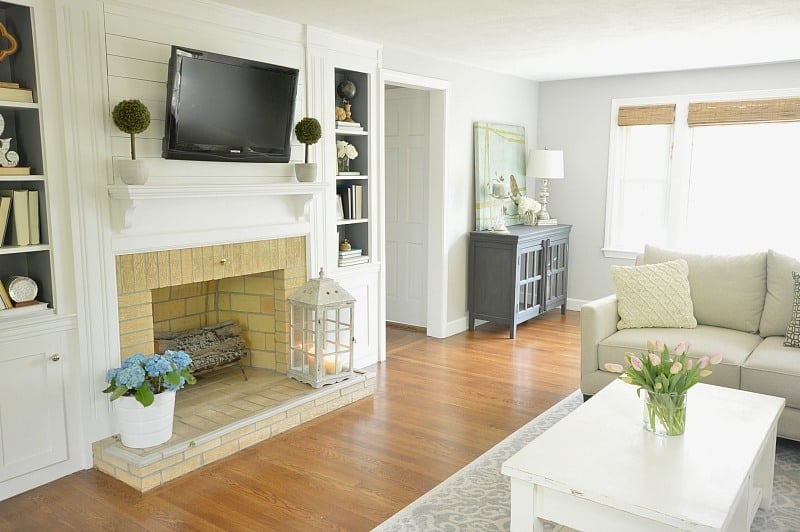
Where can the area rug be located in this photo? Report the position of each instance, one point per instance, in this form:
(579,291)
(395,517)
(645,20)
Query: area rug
(476,498)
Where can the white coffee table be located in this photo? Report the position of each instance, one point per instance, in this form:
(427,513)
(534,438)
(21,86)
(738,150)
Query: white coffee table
(598,469)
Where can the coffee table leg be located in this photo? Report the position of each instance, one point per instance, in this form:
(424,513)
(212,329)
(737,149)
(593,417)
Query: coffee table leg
(523,518)
(765,469)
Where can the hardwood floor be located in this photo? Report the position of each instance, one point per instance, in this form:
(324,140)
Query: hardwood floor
(439,404)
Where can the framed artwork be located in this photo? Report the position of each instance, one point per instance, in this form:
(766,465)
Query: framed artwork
(499,174)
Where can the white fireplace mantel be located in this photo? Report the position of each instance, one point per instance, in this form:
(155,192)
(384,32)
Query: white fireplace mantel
(154,216)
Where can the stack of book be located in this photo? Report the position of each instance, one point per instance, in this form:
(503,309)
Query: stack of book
(351,257)
(19,217)
(12,92)
(348,126)
(352,201)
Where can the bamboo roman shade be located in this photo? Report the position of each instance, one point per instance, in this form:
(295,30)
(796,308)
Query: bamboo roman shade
(744,112)
(646,115)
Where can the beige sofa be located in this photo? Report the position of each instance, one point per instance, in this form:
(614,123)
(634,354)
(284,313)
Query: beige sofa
(742,304)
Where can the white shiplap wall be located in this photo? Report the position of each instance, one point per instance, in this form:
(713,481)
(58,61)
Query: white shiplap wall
(137,51)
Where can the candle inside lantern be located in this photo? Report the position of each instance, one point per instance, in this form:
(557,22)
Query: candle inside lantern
(328,362)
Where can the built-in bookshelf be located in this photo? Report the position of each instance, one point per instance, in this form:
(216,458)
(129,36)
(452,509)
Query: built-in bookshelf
(352,181)
(25,245)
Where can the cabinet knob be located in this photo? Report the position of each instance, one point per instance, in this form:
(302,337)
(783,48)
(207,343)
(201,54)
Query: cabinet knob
(223,261)
(55,358)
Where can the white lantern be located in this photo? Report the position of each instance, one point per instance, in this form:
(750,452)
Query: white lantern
(321,332)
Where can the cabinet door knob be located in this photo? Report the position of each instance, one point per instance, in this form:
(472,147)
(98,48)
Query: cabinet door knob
(55,358)
(223,261)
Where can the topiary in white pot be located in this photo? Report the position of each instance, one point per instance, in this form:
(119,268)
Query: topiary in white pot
(308,131)
(132,117)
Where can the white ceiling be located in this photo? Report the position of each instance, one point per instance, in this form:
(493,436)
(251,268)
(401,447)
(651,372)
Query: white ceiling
(563,39)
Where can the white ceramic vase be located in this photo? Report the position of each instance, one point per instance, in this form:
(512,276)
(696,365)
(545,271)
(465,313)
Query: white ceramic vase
(305,172)
(132,172)
(140,426)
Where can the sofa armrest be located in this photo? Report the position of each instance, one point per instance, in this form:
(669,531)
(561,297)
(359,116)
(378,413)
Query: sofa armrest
(598,321)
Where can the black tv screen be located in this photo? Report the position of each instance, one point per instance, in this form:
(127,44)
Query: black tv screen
(222,108)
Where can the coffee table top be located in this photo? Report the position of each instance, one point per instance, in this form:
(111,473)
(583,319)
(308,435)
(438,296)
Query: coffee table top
(601,452)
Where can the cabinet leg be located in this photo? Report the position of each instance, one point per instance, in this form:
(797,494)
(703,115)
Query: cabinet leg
(513,332)
(471,323)
(564,308)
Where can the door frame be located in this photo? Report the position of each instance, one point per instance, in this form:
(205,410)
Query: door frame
(438,89)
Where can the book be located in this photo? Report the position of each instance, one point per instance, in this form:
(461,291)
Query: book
(9,84)
(33,217)
(345,123)
(29,308)
(5,210)
(5,299)
(15,170)
(11,94)
(353,261)
(357,201)
(349,252)
(19,228)
(348,173)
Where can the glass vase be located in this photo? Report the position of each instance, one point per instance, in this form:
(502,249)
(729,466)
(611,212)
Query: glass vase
(664,413)
(344,164)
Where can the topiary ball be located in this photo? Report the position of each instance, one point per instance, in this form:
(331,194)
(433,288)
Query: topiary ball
(131,116)
(308,130)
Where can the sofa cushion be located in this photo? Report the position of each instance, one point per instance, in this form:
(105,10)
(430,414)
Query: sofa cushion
(778,300)
(774,369)
(727,291)
(734,346)
(793,329)
(654,295)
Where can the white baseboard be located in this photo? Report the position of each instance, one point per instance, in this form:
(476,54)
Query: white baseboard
(576,304)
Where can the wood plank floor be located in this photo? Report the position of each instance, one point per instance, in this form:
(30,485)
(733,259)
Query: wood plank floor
(439,404)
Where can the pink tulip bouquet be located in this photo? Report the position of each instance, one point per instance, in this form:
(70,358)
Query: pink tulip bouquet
(665,377)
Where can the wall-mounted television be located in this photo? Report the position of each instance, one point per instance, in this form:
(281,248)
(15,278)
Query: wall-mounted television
(222,108)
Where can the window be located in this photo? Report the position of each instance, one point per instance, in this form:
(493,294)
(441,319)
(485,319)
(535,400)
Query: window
(722,176)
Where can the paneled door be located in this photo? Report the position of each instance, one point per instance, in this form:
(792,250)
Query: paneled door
(407,174)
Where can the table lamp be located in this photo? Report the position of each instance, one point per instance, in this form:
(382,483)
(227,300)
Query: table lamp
(545,165)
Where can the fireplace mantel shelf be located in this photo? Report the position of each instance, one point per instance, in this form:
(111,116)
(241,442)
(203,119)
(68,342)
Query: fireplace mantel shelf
(126,198)
(145,192)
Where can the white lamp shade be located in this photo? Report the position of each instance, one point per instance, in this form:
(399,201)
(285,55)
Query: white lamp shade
(545,164)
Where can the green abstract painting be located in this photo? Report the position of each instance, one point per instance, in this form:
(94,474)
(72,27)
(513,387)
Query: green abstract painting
(499,171)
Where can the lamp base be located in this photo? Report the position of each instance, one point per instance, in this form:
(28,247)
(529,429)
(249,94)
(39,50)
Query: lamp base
(549,221)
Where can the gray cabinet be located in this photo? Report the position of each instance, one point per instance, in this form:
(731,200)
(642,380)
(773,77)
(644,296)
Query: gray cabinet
(516,276)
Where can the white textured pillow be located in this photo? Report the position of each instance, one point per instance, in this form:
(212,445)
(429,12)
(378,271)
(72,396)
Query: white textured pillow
(654,295)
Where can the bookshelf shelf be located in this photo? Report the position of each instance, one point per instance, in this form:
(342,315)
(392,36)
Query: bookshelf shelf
(11,250)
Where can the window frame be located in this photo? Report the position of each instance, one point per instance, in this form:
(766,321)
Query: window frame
(680,160)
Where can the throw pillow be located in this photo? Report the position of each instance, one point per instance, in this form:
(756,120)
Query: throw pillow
(778,302)
(727,290)
(793,330)
(654,295)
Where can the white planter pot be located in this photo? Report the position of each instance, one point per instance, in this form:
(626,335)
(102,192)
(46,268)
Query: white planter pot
(141,427)
(132,172)
(305,172)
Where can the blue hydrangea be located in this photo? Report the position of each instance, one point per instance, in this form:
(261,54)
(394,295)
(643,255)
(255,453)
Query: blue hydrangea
(110,374)
(179,358)
(131,376)
(157,366)
(134,360)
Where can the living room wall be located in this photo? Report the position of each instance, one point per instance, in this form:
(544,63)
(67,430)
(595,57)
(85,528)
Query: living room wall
(575,116)
(474,95)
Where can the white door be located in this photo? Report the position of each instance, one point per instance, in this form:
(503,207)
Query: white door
(33,432)
(407,174)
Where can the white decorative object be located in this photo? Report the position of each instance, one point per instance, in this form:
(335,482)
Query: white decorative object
(545,165)
(140,426)
(8,157)
(21,289)
(321,332)
(132,171)
(305,172)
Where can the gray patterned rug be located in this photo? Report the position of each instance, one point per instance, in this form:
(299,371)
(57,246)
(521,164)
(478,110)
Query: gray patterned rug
(477,497)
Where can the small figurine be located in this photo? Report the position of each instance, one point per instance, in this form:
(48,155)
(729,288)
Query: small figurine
(345,246)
